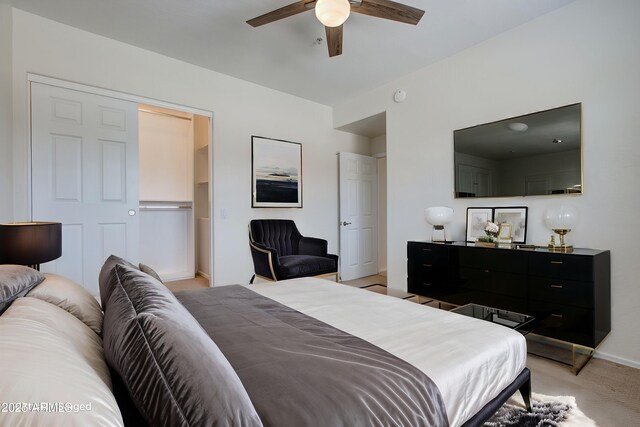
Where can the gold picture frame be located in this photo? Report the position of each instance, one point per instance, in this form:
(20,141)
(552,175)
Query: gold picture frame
(504,233)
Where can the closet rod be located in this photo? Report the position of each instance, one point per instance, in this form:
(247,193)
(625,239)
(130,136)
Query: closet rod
(142,110)
(162,207)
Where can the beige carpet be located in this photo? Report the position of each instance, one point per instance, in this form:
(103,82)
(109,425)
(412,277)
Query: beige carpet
(198,282)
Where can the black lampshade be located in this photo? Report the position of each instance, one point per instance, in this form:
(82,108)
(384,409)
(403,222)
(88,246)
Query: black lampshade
(30,243)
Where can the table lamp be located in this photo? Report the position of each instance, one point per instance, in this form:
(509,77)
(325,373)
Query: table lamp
(561,220)
(30,243)
(438,216)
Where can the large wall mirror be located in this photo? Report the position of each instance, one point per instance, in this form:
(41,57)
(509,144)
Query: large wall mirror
(534,154)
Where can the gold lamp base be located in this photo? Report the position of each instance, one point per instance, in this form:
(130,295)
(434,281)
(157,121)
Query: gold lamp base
(562,247)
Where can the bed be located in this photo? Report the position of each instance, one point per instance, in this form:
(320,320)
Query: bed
(304,352)
(470,361)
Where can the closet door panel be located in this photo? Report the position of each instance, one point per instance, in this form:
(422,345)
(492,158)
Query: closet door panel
(84,157)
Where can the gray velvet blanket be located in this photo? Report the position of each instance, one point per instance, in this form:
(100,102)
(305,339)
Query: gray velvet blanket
(299,371)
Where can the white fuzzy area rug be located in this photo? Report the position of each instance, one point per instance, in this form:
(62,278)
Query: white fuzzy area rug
(548,411)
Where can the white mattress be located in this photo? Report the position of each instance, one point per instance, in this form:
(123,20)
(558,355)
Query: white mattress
(470,360)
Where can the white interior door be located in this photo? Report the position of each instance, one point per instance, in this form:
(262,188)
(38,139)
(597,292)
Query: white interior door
(84,152)
(358,216)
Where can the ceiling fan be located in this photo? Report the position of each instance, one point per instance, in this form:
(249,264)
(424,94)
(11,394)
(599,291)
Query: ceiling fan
(333,13)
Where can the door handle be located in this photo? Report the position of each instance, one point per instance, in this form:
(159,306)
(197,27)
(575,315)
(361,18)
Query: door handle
(345,223)
(132,212)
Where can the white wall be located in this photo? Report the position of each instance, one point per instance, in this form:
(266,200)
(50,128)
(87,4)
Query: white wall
(240,110)
(382,214)
(166,157)
(379,145)
(584,52)
(6,114)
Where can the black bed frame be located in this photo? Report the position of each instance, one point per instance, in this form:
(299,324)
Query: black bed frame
(132,417)
(521,383)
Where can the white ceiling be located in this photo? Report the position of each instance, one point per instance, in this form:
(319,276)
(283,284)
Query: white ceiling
(284,55)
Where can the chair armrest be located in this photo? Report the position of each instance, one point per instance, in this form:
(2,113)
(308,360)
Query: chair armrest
(265,260)
(312,246)
(335,258)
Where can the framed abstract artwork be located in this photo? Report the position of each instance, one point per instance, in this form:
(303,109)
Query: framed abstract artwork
(516,217)
(276,173)
(477,219)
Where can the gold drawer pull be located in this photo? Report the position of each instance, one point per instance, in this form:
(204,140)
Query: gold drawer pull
(427,265)
(556,286)
(427,249)
(557,315)
(556,262)
(426,284)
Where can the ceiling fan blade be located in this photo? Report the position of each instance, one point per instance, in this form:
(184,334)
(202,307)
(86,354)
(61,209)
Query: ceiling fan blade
(388,9)
(283,12)
(334,40)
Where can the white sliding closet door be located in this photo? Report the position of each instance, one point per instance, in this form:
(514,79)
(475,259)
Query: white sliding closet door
(84,152)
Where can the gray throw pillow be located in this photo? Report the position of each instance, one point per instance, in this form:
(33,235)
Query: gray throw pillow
(150,271)
(176,375)
(105,273)
(15,282)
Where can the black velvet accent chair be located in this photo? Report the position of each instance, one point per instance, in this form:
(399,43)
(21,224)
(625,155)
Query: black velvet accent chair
(280,252)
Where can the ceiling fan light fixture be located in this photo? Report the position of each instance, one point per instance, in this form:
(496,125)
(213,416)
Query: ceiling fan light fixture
(332,13)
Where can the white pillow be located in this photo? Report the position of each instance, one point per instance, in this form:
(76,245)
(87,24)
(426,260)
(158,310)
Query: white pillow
(49,356)
(70,296)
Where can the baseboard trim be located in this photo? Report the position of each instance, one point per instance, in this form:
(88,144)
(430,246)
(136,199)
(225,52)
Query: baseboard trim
(172,277)
(616,359)
(206,276)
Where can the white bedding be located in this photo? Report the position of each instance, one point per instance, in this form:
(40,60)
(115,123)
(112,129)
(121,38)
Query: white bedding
(470,360)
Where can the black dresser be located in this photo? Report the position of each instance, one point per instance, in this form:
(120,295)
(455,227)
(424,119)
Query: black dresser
(568,293)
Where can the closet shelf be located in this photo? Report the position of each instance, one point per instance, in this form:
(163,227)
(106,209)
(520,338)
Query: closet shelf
(164,204)
(203,182)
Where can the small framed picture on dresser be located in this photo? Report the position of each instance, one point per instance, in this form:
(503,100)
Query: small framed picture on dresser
(516,217)
(477,219)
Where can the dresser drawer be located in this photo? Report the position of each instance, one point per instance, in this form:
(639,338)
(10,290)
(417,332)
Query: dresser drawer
(493,259)
(498,282)
(433,274)
(430,288)
(565,323)
(428,253)
(562,266)
(561,291)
